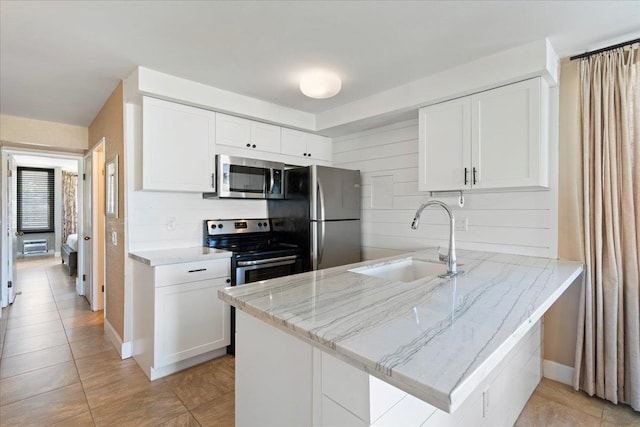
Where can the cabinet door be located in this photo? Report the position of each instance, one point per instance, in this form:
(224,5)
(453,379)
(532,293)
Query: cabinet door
(190,320)
(307,145)
(265,137)
(294,143)
(233,131)
(508,148)
(178,144)
(444,146)
(319,147)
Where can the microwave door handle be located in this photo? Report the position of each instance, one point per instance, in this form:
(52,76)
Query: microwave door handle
(271,181)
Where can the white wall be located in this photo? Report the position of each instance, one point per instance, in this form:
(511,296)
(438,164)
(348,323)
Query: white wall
(520,222)
(150,211)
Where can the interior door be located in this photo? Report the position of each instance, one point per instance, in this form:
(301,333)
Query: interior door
(84,279)
(12,226)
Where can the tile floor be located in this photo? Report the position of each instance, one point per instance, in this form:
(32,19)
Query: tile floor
(57,368)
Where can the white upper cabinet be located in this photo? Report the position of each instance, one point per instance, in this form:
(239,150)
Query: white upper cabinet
(307,145)
(265,137)
(490,140)
(445,145)
(233,131)
(178,147)
(247,134)
(508,137)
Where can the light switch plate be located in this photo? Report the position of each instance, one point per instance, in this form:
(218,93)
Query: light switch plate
(171,223)
(114,238)
(462,224)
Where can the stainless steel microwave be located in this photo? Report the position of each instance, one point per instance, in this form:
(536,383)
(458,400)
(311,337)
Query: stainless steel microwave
(244,178)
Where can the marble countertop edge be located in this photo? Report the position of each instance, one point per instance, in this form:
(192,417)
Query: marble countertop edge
(159,257)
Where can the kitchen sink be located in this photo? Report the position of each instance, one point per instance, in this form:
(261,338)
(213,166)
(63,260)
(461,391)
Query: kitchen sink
(403,270)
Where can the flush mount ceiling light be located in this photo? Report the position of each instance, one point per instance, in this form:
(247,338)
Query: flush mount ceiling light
(320,84)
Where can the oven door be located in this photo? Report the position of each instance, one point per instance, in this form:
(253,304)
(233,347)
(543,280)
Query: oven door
(263,269)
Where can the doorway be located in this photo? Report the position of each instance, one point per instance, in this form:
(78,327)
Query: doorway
(11,244)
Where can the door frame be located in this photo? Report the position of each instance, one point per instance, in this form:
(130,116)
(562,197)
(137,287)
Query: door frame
(98,226)
(5,151)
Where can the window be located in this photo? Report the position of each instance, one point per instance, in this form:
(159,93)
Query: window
(35,200)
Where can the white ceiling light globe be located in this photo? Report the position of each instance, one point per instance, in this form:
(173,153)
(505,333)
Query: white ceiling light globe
(320,84)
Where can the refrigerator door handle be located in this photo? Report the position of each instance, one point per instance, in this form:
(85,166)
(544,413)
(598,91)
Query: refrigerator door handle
(321,243)
(320,202)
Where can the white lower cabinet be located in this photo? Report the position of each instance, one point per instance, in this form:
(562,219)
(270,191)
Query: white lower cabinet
(284,381)
(178,319)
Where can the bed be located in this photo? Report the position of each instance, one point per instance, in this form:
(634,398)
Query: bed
(69,252)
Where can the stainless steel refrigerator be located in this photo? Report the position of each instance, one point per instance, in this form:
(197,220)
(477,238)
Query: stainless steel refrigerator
(321,214)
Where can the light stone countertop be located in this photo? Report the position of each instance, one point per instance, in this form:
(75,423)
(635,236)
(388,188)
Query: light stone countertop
(434,338)
(178,255)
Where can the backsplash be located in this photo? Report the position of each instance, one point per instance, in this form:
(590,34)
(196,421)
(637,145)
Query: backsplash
(520,222)
(152,214)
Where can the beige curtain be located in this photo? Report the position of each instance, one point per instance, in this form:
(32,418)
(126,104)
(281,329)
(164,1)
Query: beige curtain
(608,345)
(69,204)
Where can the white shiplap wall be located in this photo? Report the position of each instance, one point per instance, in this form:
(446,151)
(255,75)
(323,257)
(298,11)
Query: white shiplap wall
(520,222)
(150,211)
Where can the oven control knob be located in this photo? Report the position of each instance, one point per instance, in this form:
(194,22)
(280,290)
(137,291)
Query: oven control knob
(228,280)
(213,226)
(219,225)
(259,224)
(265,224)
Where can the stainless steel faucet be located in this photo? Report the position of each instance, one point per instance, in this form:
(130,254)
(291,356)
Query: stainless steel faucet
(450,259)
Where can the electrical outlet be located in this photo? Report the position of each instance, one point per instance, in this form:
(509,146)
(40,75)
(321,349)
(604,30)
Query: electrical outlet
(114,238)
(171,223)
(462,224)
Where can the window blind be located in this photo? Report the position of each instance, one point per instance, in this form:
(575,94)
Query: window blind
(35,198)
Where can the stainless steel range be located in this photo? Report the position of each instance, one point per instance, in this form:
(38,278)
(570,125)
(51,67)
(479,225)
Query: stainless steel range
(258,253)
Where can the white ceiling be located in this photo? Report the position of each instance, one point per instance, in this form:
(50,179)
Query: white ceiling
(60,60)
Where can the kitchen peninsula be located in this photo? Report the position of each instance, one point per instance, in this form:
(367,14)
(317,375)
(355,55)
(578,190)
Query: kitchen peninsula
(448,351)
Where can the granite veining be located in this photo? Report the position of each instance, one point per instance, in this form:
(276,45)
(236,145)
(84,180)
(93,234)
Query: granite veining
(434,338)
(178,255)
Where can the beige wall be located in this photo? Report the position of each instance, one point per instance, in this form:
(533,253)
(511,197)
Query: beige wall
(39,132)
(561,321)
(109,123)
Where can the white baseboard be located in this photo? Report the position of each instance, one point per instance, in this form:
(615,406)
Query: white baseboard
(124,349)
(557,372)
(172,368)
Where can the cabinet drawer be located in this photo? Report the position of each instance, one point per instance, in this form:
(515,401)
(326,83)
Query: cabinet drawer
(192,271)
